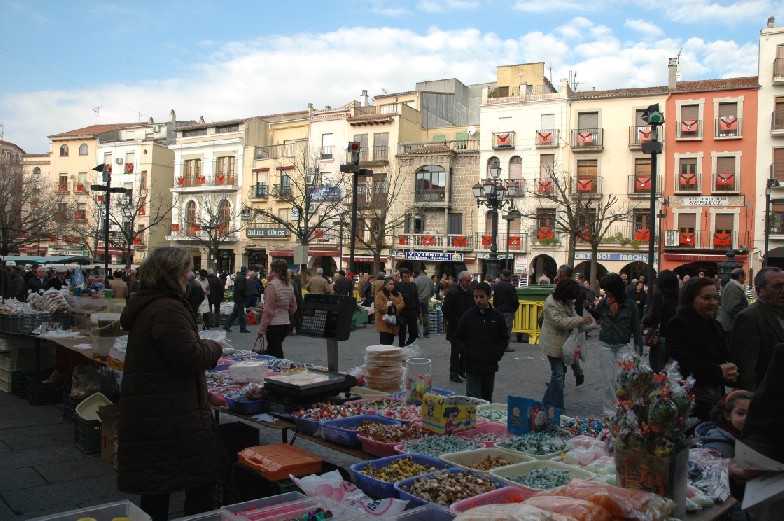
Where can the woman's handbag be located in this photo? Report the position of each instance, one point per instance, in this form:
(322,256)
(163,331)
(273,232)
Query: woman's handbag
(651,336)
(260,345)
(389,319)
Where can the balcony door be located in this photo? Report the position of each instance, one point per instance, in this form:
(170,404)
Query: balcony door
(687,229)
(723,230)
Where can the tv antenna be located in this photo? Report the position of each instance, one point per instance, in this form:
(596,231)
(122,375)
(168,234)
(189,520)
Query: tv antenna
(97,110)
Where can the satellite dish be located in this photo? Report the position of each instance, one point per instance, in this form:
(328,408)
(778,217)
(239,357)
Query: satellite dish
(471,130)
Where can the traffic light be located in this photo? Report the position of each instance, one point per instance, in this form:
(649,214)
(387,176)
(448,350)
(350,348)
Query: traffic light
(354,148)
(652,116)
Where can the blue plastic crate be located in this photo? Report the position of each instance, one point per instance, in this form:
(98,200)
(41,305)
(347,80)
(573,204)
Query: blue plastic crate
(339,431)
(383,489)
(306,426)
(416,501)
(428,512)
(245,406)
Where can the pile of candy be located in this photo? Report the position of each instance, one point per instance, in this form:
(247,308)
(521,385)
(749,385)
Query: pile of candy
(535,444)
(404,412)
(392,433)
(582,426)
(652,409)
(542,478)
(445,488)
(372,406)
(488,436)
(492,414)
(403,468)
(326,411)
(489,463)
(436,445)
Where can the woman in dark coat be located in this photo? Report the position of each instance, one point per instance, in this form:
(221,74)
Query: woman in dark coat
(695,339)
(663,305)
(168,439)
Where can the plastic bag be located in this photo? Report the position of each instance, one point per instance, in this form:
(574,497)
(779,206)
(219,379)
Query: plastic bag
(332,486)
(573,348)
(511,512)
(389,319)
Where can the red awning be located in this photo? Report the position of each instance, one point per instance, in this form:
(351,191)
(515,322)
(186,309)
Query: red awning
(281,253)
(700,257)
(363,258)
(323,253)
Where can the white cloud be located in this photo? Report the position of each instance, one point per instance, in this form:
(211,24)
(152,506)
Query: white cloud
(445,6)
(553,6)
(389,8)
(714,12)
(645,29)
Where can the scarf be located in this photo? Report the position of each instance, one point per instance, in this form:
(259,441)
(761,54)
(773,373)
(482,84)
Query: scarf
(613,305)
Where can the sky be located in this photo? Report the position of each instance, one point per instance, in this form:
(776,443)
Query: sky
(67,65)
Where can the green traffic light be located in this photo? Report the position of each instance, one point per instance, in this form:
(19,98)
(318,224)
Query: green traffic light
(655,118)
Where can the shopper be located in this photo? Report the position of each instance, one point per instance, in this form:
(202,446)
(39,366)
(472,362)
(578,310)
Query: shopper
(481,337)
(620,322)
(168,438)
(204,307)
(560,318)
(216,295)
(409,317)
(457,301)
(726,423)
(279,304)
(506,301)
(695,339)
(663,306)
(388,301)
(253,289)
(239,295)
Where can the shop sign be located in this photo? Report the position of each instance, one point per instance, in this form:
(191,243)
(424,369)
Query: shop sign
(267,233)
(433,256)
(707,200)
(625,257)
(501,256)
(520,263)
(74,253)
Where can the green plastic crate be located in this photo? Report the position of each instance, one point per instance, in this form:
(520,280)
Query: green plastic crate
(87,435)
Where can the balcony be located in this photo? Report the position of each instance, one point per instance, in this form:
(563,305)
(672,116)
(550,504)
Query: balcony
(219,180)
(547,138)
(778,71)
(280,151)
(62,187)
(80,188)
(258,191)
(639,187)
(326,152)
(639,135)
(380,153)
(513,242)
(700,240)
(433,241)
(777,171)
(545,236)
(627,234)
(587,139)
(281,191)
(688,183)
(589,186)
(429,147)
(367,198)
(777,123)
(689,130)
(544,187)
(80,215)
(726,183)
(728,127)
(503,140)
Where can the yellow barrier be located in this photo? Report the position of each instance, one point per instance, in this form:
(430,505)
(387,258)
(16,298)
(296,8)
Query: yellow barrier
(526,320)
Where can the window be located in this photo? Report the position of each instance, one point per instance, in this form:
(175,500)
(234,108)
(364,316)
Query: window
(488,223)
(544,184)
(642,175)
(36,171)
(586,176)
(227,128)
(326,146)
(545,223)
(641,220)
(778,164)
(81,211)
(547,121)
(130,159)
(430,184)
(778,115)
(722,233)
(687,223)
(380,146)
(284,214)
(63,150)
(728,124)
(224,217)
(143,180)
(493,162)
(455,224)
(81,182)
(419,224)
(687,175)
(62,183)
(191,225)
(362,139)
(285,185)
(516,168)
(192,171)
(83,149)
(588,121)
(225,167)
(689,126)
(726,175)
(194,132)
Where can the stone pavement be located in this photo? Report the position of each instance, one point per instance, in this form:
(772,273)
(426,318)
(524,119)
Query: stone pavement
(43,472)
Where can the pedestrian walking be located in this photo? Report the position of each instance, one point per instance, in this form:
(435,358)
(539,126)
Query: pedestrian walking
(239,295)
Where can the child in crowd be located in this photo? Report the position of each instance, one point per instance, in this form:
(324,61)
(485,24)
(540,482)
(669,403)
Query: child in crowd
(728,418)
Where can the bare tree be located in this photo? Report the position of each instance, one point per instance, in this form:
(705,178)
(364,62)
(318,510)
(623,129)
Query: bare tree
(28,207)
(379,214)
(595,223)
(214,224)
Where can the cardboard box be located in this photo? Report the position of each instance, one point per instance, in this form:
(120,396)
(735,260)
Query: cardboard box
(108,416)
(665,476)
(525,415)
(442,415)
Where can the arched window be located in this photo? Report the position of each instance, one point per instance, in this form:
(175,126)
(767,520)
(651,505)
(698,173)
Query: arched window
(430,184)
(36,171)
(83,149)
(516,168)
(64,150)
(224,217)
(191,226)
(493,162)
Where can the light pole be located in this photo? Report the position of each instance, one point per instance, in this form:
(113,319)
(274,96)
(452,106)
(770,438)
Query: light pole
(340,240)
(106,170)
(771,183)
(491,193)
(510,216)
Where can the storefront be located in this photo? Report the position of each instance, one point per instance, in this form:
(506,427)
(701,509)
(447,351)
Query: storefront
(692,264)
(632,264)
(433,262)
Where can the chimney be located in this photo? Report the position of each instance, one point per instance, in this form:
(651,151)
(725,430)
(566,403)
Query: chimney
(672,76)
(201,119)
(771,22)
(151,121)
(310,109)
(172,117)
(364,98)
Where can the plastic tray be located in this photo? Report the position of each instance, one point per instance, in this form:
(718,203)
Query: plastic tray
(502,496)
(306,426)
(466,458)
(218,394)
(298,509)
(504,473)
(428,512)
(278,460)
(106,512)
(384,489)
(378,448)
(485,428)
(415,500)
(88,408)
(245,406)
(215,515)
(339,431)
(265,502)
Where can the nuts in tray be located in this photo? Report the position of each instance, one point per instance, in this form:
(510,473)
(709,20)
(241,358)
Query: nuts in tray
(379,403)
(403,468)
(392,433)
(537,443)
(326,411)
(445,488)
(490,462)
(542,478)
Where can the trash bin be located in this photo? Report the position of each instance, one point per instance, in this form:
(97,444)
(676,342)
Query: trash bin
(526,320)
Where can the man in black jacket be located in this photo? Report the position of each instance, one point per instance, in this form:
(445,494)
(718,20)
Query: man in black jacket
(342,285)
(240,294)
(456,302)
(506,301)
(216,295)
(411,313)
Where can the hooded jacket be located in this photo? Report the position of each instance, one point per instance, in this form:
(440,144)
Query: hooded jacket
(711,436)
(168,439)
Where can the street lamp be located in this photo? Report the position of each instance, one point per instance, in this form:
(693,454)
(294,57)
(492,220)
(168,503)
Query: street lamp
(491,192)
(106,170)
(771,183)
(340,241)
(510,216)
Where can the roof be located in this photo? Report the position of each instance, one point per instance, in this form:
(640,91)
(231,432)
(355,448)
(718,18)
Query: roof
(5,144)
(213,124)
(94,130)
(622,93)
(744,82)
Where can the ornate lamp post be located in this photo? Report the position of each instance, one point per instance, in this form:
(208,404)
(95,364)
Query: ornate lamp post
(491,193)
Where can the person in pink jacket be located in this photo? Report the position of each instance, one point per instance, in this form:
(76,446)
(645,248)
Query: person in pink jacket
(279,303)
